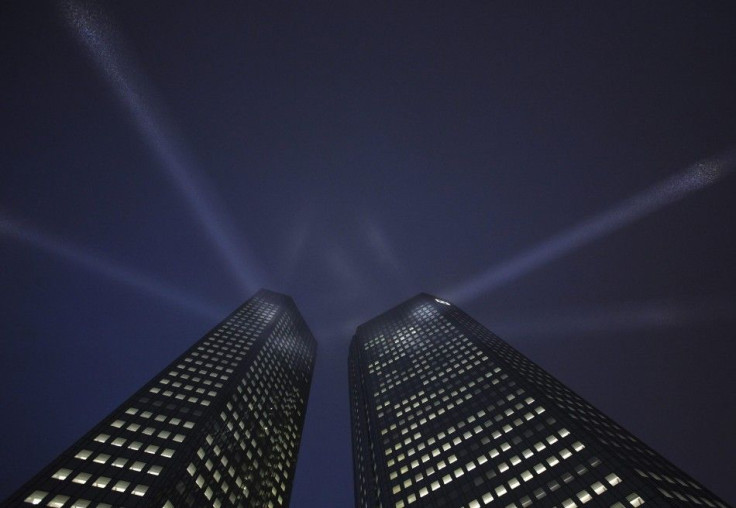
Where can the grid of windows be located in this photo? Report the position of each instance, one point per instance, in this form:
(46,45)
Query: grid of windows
(220,426)
(444,413)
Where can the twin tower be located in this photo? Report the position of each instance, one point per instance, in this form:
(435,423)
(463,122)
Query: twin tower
(443,413)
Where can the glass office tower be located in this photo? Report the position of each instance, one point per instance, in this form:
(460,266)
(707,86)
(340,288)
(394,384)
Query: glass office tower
(220,426)
(446,414)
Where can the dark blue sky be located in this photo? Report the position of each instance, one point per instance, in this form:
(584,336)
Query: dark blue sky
(162,160)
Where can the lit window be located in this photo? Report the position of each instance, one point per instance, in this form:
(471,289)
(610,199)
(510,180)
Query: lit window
(62,474)
(584,496)
(58,501)
(120,486)
(101,458)
(598,488)
(101,482)
(120,462)
(84,454)
(36,497)
(137,466)
(140,490)
(82,478)
(613,479)
(635,499)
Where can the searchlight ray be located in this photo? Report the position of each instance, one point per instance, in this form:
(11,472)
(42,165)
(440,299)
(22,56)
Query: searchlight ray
(106,49)
(22,232)
(697,176)
(621,317)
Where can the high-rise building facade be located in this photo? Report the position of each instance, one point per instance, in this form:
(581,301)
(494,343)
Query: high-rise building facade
(220,426)
(446,414)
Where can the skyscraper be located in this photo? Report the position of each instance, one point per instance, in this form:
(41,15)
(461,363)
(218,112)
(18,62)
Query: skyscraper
(220,426)
(445,413)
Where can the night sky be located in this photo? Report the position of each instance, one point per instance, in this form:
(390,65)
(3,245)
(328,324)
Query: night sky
(563,171)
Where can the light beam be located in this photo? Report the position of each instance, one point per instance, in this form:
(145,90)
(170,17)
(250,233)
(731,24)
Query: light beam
(698,176)
(623,317)
(24,233)
(105,46)
(297,243)
(378,241)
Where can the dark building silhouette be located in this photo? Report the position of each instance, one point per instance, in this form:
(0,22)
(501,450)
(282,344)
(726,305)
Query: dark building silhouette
(444,413)
(220,426)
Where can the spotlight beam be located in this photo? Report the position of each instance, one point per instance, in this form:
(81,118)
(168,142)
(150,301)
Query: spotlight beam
(385,254)
(105,47)
(22,232)
(623,317)
(698,176)
(297,244)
